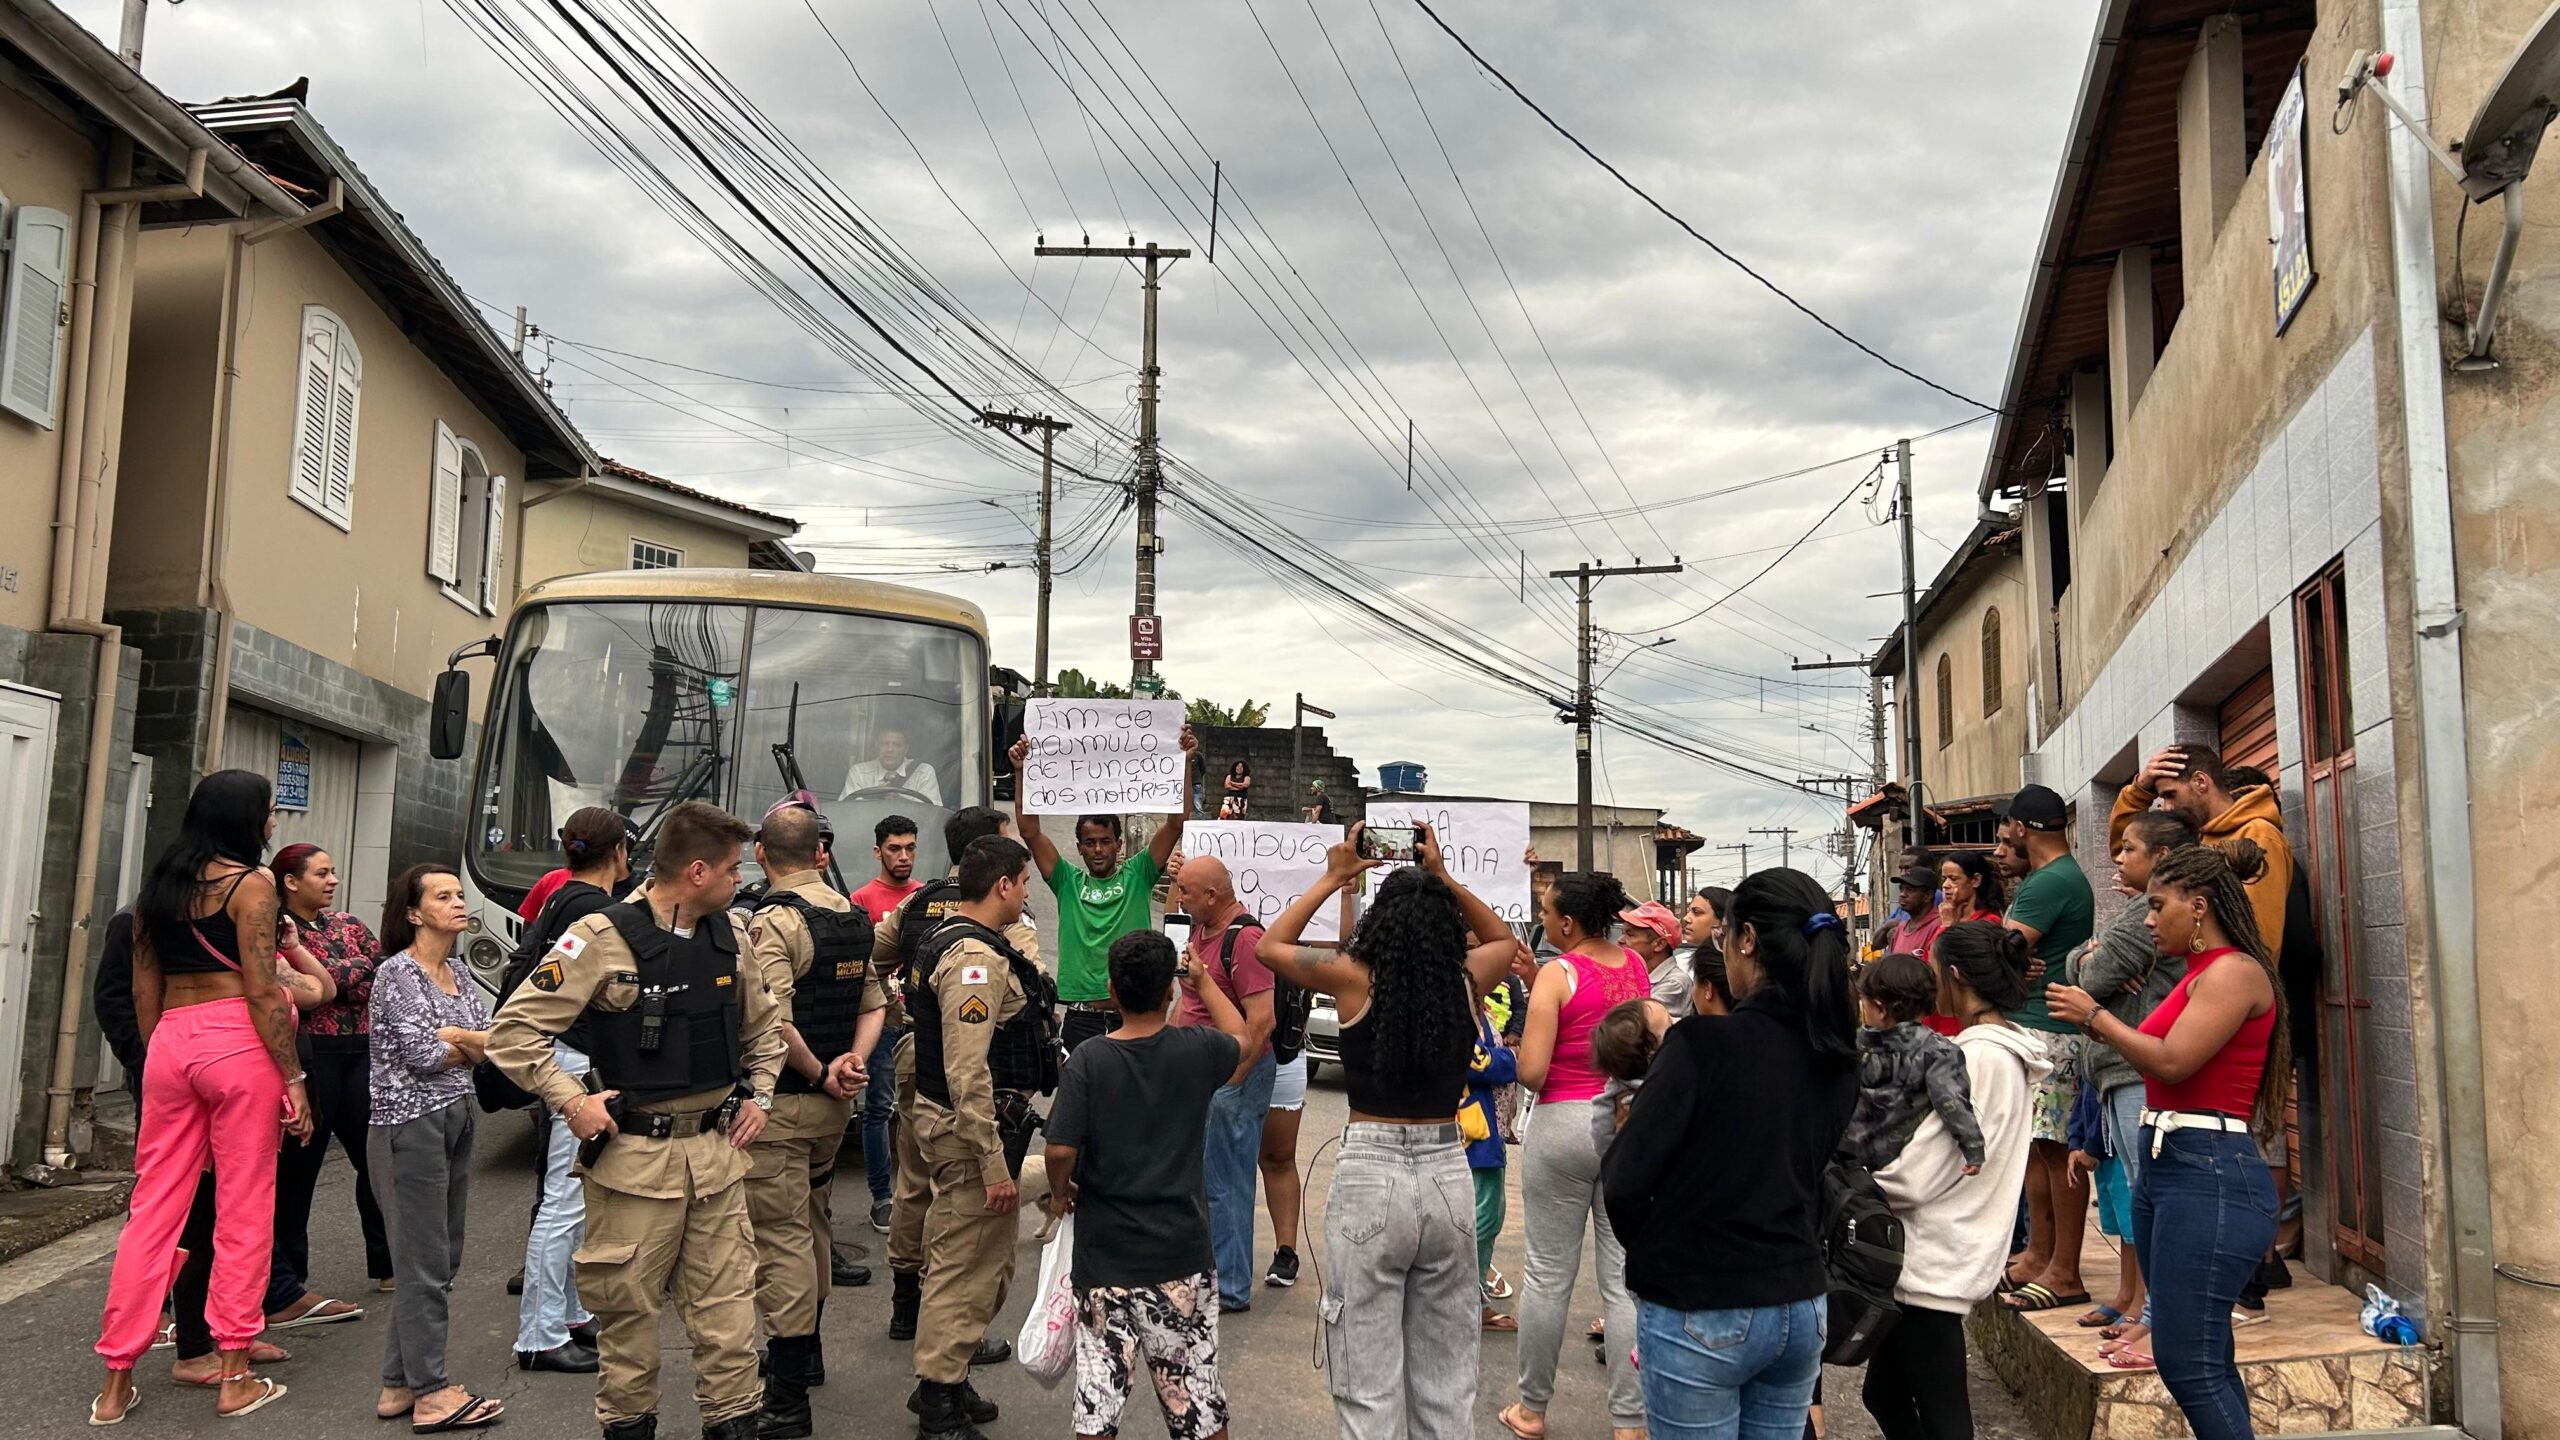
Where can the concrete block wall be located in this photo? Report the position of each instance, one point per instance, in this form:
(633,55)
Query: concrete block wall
(1266,749)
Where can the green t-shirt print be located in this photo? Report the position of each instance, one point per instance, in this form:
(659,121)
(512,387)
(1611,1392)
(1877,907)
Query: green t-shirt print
(1093,911)
(2056,902)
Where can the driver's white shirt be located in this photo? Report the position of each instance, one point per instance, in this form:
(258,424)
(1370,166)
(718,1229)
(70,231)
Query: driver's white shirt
(915,776)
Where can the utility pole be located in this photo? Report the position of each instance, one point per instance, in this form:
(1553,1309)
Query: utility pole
(1048,429)
(1150,472)
(1910,645)
(129,33)
(1876,734)
(1297,747)
(1745,848)
(1786,842)
(1582,575)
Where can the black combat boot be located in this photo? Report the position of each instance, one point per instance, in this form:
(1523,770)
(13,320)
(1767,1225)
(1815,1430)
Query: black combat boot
(643,1428)
(906,1296)
(736,1427)
(785,1412)
(941,1413)
(977,1407)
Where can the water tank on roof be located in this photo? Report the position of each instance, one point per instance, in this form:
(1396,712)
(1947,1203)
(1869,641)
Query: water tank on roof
(1402,777)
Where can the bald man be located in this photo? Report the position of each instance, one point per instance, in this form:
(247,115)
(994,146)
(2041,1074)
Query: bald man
(1223,935)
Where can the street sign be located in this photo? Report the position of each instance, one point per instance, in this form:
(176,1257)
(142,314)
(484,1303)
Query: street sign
(1146,637)
(1148,684)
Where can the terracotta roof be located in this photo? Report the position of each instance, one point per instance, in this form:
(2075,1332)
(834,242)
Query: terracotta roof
(621,471)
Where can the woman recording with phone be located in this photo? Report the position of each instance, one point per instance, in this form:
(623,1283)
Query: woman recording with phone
(1400,1305)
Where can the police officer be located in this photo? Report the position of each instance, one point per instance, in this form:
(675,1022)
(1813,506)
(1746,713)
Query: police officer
(985,1039)
(813,948)
(894,949)
(686,1044)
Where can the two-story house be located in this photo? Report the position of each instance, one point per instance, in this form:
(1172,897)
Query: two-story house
(1971,708)
(2274,497)
(622,518)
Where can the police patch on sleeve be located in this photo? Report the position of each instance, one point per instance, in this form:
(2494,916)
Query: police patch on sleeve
(546,976)
(570,946)
(973,974)
(972,1011)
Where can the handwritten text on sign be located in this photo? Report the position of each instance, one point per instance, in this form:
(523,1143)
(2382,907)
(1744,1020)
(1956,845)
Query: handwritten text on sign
(1484,843)
(1273,864)
(1103,757)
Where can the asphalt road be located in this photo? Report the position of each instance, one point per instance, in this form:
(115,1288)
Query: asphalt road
(49,1305)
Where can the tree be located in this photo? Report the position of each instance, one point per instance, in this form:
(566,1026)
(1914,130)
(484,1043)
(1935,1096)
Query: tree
(1248,716)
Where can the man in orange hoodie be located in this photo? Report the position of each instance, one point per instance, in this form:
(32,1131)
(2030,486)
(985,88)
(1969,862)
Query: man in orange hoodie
(2190,778)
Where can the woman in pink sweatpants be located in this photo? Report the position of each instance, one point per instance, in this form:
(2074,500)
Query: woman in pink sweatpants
(220,1087)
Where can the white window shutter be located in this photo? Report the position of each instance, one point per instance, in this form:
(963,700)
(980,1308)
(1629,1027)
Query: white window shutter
(310,483)
(346,381)
(33,314)
(493,554)
(444,509)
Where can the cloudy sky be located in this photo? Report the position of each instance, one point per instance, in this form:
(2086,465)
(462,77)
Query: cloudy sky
(1885,163)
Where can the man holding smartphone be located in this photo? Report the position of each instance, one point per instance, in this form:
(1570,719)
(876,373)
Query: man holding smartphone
(1101,897)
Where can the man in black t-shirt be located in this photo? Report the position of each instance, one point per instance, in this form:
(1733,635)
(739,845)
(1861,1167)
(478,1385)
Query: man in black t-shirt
(1124,1155)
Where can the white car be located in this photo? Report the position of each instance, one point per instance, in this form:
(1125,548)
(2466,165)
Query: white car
(1324,1037)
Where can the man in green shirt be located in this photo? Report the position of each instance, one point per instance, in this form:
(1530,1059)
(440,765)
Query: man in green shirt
(2055,910)
(1101,897)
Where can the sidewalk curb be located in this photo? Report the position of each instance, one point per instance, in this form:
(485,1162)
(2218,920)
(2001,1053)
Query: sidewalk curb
(33,1219)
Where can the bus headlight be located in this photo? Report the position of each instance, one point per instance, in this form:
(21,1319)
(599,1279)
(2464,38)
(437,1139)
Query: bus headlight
(486,954)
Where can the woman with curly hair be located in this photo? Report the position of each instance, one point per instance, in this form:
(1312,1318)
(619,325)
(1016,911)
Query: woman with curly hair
(1715,1184)
(1560,1161)
(2214,1060)
(1400,1305)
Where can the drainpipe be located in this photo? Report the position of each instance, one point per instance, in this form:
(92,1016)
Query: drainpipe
(217,561)
(2443,748)
(83,519)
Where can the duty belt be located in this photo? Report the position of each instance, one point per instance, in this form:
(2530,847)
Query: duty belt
(651,1125)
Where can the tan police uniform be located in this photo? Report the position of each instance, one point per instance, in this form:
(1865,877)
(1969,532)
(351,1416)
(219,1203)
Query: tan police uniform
(674,1206)
(961,998)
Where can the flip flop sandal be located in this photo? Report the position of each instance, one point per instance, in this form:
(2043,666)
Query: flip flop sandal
(1495,1320)
(2031,1298)
(2132,1359)
(2114,1331)
(326,1312)
(269,1392)
(474,1413)
(1502,1417)
(129,1407)
(260,1353)
(2104,1316)
(2242,1319)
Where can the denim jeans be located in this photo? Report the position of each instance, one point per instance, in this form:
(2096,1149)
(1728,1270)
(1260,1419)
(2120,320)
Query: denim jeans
(1231,1161)
(879,1104)
(2203,1216)
(550,1305)
(1401,1305)
(1730,1374)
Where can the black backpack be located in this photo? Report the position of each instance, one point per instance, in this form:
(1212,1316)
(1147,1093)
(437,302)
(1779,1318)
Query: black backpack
(574,901)
(1862,1252)
(1291,1003)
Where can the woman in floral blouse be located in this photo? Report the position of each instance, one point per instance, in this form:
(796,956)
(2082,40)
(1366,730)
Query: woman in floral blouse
(336,1054)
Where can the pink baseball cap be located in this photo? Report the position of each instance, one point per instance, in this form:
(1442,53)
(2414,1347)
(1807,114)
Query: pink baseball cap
(1656,917)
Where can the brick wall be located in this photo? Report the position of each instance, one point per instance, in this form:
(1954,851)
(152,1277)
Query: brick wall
(1266,750)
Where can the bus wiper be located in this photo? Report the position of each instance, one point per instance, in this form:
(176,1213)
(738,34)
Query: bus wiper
(787,761)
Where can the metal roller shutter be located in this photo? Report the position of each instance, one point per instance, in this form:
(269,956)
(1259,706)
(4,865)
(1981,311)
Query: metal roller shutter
(255,740)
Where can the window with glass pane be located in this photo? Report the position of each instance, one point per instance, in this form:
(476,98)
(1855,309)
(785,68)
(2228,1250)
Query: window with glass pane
(630,706)
(874,716)
(646,555)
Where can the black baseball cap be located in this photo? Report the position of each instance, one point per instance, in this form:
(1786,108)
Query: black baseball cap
(2037,808)
(1918,877)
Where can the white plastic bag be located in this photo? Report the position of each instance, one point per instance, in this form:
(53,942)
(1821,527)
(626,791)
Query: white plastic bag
(1047,1345)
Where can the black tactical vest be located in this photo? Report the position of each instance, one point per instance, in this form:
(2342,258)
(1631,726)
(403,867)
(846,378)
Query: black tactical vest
(1023,1053)
(919,917)
(681,1036)
(827,1001)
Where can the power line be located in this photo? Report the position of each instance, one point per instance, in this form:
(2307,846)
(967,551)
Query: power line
(1693,232)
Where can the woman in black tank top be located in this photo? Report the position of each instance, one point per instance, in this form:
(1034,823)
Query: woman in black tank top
(1399,1229)
(221,1087)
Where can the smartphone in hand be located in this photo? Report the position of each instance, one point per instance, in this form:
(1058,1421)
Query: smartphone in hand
(1387,842)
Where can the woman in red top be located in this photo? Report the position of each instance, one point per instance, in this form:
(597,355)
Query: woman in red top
(2213,1062)
(1968,889)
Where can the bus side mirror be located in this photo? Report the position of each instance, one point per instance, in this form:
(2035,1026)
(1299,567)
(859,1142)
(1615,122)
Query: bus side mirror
(449,718)
(1010,711)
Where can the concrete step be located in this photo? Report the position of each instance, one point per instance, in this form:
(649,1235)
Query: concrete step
(2310,1369)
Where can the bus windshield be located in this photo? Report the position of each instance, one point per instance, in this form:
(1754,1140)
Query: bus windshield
(639,705)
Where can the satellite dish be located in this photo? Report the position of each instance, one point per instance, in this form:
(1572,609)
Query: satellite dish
(2498,149)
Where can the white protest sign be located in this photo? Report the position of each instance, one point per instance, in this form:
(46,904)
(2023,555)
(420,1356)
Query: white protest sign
(1485,844)
(1103,757)
(1273,863)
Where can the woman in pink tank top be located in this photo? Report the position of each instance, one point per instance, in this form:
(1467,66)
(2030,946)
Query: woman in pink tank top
(1560,1162)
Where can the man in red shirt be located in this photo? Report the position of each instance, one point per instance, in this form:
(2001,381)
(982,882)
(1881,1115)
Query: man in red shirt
(893,844)
(1232,1161)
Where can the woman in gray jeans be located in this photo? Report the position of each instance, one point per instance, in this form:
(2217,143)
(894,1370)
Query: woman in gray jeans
(430,1026)
(1400,1303)
(1560,1161)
